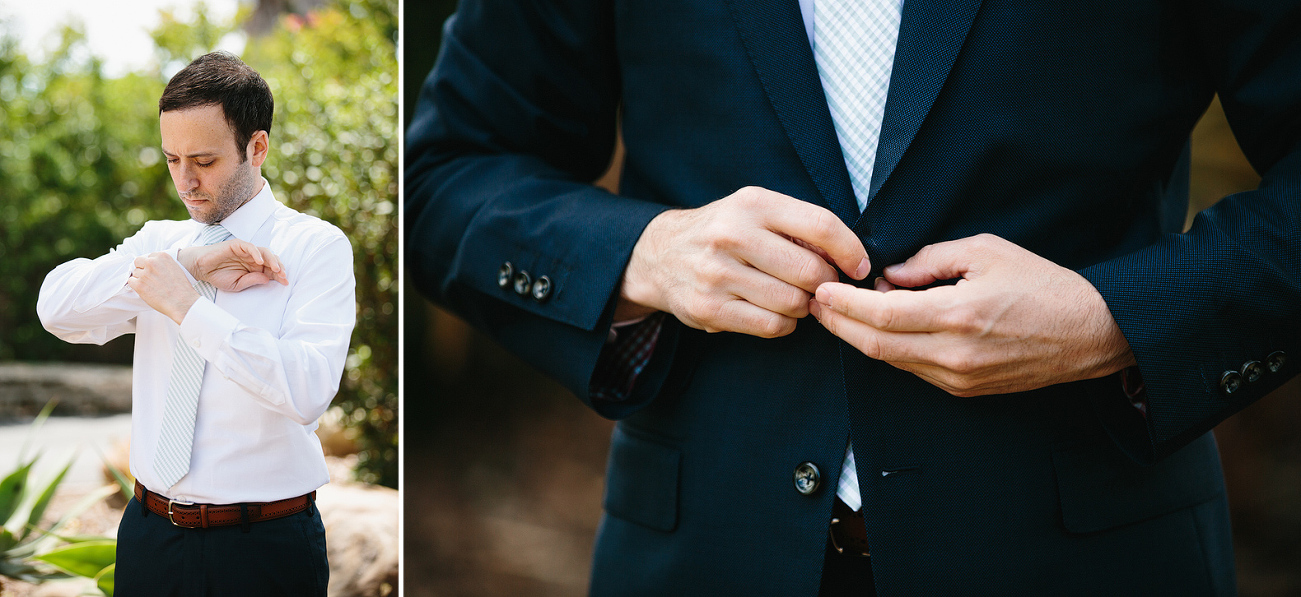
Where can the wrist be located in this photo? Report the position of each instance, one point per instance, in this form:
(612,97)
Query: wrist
(181,307)
(185,256)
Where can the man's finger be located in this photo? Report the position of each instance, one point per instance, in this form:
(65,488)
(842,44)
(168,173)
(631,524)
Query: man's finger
(821,228)
(788,262)
(895,311)
(944,261)
(770,293)
(738,315)
(894,347)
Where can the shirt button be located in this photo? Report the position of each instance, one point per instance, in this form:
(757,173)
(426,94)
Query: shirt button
(196,343)
(1252,371)
(807,478)
(1230,382)
(504,274)
(522,283)
(542,289)
(1275,361)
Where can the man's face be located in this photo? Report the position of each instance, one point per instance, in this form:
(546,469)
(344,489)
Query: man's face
(206,168)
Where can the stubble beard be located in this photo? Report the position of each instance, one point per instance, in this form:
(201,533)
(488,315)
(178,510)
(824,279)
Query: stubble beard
(234,193)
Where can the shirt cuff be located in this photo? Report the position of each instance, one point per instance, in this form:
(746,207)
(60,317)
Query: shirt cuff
(207,327)
(624,356)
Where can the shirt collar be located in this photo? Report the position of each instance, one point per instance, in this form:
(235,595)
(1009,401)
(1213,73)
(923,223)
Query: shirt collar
(246,220)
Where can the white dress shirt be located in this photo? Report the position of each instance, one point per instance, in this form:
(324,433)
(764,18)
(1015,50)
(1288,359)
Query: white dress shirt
(274,353)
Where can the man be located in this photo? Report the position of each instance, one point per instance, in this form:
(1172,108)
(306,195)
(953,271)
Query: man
(1038,427)
(242,317)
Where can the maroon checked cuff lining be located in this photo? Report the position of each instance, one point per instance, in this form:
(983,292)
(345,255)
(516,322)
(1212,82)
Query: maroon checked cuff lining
(624,357)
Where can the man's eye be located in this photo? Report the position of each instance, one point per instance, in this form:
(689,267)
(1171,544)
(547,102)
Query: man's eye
(173,160)
(204,164)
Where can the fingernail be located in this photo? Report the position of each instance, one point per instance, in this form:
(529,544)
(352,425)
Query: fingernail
(878,284)
(862,270)
(815,309)
(824,296)
(893,269)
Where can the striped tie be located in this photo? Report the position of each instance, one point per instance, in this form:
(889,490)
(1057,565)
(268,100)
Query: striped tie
(172,459)
(853,44)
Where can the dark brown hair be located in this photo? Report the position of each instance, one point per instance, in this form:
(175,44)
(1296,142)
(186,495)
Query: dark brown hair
(222,79)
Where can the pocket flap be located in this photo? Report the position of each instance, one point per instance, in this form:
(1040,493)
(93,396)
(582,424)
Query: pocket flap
(1101,488)
(641,481)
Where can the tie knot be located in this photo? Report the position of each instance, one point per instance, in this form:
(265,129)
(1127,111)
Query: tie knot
(213,234)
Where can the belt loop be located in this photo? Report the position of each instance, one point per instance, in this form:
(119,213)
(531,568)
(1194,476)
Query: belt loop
(203,515)
(243,518)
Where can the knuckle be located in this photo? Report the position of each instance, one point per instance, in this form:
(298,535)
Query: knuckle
(774,326)
(811,271)
(825,224)
(962,320)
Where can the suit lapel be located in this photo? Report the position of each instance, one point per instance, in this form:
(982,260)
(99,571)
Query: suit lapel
(930,35)
(774,38)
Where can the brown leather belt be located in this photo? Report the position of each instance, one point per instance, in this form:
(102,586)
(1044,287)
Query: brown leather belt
(202,516)
(848,531)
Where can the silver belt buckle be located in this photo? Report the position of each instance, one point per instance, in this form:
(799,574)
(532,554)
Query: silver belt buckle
(170,512)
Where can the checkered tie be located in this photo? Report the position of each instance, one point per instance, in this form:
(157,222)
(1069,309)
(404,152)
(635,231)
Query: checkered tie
(172,459)
(853,44)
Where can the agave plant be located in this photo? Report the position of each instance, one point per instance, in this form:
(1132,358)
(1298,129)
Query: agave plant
(35,554)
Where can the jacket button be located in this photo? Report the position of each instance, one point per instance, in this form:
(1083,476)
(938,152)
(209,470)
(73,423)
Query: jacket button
(1230,382)
(504,274)
(1275,361)
(1252,371)
(522,283)
(807,478)
(542,288)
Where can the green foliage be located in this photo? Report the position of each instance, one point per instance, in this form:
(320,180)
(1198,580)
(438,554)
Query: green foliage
(80,170)
(85,558)
(24,544)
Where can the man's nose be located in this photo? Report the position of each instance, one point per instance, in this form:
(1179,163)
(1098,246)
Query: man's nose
(188,179)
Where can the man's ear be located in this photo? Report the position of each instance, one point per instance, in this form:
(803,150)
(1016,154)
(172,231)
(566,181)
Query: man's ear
(258,147)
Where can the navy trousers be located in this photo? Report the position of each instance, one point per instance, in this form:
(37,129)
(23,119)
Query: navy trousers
(280,557)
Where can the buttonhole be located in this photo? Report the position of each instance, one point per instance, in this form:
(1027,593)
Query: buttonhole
(898,469)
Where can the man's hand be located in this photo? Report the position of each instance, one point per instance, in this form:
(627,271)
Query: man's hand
(1014,322)
(746,263)
(233,265)
(159,281)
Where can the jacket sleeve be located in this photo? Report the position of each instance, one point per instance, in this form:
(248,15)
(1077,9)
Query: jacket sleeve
(1213,315)
(515,121)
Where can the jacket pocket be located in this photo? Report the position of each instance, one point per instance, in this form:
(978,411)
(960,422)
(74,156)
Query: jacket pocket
(1100,488)
(641,481)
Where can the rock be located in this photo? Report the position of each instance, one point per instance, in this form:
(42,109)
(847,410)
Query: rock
(361,534)
(85,390)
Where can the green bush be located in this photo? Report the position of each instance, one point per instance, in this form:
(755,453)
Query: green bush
(80,169)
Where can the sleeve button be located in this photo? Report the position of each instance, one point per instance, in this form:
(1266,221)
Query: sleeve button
(522,283)
(1230,382)
(1252,371)
(542,289)
(1275,361)
(504,274)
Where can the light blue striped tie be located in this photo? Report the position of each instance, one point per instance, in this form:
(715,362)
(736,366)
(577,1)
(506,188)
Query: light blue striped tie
(853,44)
(172,458)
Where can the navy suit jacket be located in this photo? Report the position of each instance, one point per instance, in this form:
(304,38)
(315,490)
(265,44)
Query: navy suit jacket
(1063,127)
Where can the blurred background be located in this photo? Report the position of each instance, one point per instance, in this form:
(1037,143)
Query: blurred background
(504,468)
(81,169)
